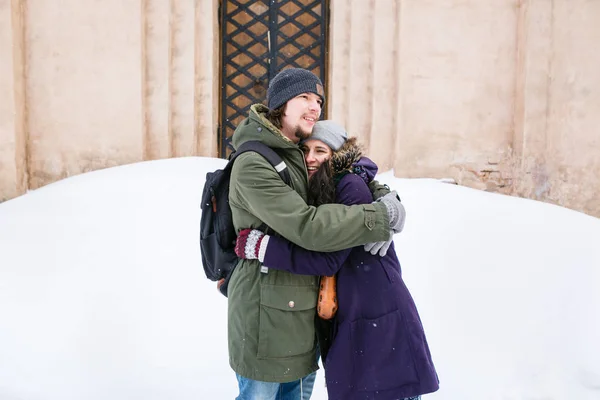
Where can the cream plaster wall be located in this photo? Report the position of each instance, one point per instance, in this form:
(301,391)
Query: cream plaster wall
(429,85)
(94,84)
(13,153)
(557,126)
(501,95)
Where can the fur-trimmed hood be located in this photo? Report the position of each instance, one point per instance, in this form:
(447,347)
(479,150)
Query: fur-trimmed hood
(258,127)
(349,159)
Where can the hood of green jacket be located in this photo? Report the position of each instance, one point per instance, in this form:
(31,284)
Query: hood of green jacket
(258,127)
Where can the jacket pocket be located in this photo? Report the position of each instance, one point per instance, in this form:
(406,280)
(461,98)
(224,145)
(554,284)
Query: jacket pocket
(383,357)
(287,321)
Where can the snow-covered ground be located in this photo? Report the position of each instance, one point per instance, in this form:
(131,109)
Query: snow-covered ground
(103,295)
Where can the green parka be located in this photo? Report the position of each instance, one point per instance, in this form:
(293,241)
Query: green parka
(271,313)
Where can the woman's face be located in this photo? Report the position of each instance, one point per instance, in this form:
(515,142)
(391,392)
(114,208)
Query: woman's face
(315,154)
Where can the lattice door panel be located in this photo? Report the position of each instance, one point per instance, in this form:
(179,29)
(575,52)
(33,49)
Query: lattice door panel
(259,39)
(301,35)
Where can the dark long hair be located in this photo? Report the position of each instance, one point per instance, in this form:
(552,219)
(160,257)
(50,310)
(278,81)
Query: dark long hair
(274,116)
(321,187)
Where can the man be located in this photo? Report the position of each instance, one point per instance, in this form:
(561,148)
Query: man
(271,313)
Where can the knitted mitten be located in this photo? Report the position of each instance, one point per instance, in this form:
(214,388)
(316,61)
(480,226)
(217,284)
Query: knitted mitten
(251,244)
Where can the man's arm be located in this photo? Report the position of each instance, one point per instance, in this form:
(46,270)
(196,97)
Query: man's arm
(278,253)
(378,190)
(257,188)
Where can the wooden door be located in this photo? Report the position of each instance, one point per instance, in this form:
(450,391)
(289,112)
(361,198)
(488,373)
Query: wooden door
(259,38)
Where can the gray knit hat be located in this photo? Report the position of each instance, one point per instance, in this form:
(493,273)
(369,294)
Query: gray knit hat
(330,133)
(291,82)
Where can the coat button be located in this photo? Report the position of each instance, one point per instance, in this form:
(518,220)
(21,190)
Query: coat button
(291,304)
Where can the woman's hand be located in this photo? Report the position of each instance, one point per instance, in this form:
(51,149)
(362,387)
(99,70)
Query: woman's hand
(251,244)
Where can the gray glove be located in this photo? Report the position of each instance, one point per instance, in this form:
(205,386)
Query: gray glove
(395,210)
(397,216)
(380,248)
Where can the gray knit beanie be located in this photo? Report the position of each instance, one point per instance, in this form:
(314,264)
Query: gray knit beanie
(291,82)
(330,133)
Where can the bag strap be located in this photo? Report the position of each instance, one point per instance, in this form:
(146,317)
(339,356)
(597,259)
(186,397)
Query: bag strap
(274,160)
(268,153)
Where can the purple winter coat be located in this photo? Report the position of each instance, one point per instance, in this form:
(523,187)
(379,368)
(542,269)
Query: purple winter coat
(379,349)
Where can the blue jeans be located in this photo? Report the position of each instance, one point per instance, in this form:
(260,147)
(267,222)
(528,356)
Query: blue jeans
(258,390)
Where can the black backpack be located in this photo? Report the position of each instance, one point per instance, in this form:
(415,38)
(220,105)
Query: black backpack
(217,235)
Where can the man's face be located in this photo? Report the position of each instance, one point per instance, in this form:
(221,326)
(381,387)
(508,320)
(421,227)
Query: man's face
(300,115)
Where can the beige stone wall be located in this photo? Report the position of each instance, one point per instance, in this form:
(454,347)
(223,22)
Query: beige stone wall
(557,125)
(428,85)
(499,95)
(502,95)
(13,153)
(89,85)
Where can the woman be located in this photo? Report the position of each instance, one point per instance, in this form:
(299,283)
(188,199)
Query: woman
(378,349)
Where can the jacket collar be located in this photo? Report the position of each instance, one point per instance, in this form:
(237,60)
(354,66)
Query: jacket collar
(257,127)
(349,159)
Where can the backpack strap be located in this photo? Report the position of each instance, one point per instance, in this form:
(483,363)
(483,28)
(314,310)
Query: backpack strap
(268,153)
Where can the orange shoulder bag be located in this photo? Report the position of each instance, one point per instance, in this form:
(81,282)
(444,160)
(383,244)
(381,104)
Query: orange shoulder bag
(327,302)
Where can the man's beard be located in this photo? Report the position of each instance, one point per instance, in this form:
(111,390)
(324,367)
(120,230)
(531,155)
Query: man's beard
(301,135)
